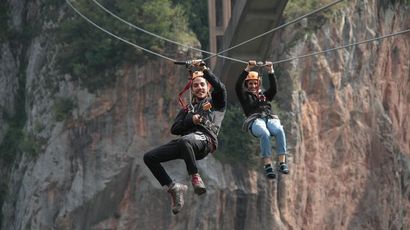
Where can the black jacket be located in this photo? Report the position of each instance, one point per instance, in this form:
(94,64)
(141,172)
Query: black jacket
(251,104)
(212,119)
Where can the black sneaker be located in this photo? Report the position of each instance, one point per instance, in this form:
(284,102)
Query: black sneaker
(283,168)
(269,172)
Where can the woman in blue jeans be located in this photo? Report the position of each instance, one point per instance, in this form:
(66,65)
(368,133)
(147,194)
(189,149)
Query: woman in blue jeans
(260,121)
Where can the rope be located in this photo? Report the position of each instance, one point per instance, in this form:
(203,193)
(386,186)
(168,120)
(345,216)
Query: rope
(158,36)
(115,36)
(344,46)
(277,28)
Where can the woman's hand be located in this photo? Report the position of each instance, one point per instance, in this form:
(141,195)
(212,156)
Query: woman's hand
(250,66)
(269,67)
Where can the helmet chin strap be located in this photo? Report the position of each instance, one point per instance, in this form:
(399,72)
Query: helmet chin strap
(258,88)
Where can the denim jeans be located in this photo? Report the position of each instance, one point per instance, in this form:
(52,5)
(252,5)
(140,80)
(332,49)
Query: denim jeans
(264,128)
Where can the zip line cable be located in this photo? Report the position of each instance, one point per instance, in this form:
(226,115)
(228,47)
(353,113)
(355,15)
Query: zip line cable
(115,36)
(180,44)
(207,52)
(341,47)
(158,36)
(274,29)
(273,62)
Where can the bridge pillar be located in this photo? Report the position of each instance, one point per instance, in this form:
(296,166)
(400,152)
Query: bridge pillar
(248,18)
(219,13)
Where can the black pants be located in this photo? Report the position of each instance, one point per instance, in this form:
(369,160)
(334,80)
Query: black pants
(190,148)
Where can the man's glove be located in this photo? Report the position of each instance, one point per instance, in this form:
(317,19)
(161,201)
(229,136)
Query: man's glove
(199,64)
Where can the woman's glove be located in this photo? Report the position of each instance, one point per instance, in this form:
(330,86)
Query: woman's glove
(269,67)
(250,66)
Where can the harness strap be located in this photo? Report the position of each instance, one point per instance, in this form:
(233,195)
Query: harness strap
(180,99)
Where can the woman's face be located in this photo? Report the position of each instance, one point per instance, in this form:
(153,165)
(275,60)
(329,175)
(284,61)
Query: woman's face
(252,86)
(200,87)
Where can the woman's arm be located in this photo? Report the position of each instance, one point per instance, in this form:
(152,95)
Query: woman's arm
(273,87)
(240,87)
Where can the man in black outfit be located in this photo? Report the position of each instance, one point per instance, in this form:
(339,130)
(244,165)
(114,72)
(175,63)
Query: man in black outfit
(198,126)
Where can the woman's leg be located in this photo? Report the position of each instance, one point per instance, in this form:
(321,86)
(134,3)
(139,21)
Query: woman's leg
(276,129)
(260,130)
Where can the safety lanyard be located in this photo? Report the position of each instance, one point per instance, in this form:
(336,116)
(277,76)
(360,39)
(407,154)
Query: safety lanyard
(181,99)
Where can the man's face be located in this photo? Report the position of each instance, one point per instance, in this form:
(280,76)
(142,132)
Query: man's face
(252,86)
(199,87)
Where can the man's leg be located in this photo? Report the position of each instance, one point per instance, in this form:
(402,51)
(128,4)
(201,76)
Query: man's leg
(194,147)
(153,159)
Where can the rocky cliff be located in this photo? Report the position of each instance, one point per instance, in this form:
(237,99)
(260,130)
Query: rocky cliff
(347,126)
(351,107)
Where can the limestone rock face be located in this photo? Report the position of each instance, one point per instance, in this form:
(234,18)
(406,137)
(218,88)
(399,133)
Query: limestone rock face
(347,127)
(351,109)
(8,87)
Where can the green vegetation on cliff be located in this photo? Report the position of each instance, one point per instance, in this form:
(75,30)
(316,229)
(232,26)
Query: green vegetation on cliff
(235,145)
(197,15)
(297,8)
(62,108)
(10,147)
(93,57)
(3,21)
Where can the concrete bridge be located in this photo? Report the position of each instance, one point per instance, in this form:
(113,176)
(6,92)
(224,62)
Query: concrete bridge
(249,19)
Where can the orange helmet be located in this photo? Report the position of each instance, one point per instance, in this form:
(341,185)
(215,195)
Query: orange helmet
(252,75)
(197,74)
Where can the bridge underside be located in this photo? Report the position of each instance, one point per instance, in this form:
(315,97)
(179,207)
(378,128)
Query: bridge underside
(249,19)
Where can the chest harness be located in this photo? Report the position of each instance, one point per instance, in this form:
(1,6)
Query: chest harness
(205,108)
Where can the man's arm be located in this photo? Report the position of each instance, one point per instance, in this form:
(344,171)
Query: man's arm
(182,123)
(219,93)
